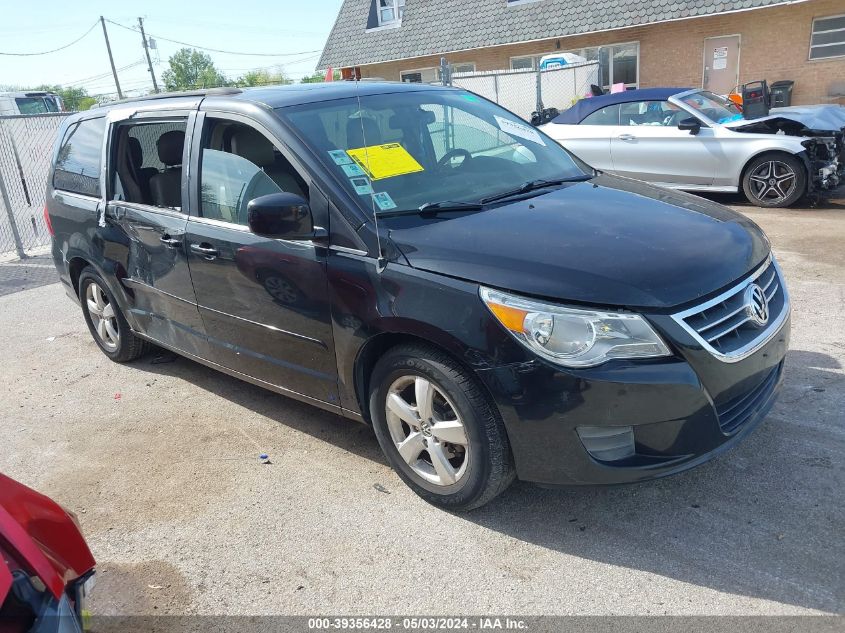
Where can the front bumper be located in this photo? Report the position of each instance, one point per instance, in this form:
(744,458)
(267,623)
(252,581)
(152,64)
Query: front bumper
(683,410)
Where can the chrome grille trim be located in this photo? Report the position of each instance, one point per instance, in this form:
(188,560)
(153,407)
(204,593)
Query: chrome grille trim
(705,338)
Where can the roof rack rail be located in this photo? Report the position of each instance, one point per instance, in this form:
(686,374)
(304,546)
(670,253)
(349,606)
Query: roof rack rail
(205,92)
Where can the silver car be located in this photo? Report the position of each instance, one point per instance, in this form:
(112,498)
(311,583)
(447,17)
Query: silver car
(697,141)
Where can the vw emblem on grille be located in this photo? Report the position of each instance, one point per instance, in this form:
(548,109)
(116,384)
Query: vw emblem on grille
(756,305)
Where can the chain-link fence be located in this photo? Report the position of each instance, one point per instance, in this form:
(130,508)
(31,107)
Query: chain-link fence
(26,143)
(528,93)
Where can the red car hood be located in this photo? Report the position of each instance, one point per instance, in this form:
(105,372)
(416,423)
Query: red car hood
(40,537)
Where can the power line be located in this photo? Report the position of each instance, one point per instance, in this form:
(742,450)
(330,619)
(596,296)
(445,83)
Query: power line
(228,26)
(94,78)
(213,50)
(271,67)
(61,48)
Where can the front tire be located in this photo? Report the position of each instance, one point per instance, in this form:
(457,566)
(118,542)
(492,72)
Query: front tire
(774,180)
(438,429)
(105,321)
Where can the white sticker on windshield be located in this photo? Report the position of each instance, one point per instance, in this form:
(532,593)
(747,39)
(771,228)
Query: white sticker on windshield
(518,129)
(362,185)
(340,157)
(384,201)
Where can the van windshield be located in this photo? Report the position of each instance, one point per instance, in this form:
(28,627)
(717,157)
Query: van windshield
(399,151)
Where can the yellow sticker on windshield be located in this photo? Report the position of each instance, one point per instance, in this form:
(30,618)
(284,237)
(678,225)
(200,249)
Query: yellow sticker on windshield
(384,161)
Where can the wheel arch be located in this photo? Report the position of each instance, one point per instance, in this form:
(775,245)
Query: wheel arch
(380,344)
(109,271)
(802,156)
(75,266)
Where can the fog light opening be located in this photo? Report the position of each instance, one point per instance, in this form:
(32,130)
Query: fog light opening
(607,443)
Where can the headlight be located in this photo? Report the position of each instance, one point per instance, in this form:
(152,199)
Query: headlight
(574,337)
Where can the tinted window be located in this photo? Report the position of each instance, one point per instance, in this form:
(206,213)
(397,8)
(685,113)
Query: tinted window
(605,116)
(146,163)
(78,162)
(32,105)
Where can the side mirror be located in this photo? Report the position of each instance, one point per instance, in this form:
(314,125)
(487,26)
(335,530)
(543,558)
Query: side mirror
(283,215)
(691,124)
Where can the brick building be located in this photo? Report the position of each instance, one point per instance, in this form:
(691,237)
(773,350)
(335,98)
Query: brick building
(642,43)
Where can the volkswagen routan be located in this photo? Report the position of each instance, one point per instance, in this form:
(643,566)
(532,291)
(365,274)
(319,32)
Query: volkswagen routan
(419,259)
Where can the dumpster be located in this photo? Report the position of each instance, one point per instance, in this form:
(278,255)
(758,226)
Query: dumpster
(781,93)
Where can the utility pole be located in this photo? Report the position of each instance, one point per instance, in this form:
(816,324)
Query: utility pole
(111,59)
(147,51)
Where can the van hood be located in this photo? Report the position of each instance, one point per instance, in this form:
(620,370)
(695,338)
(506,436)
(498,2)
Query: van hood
(609,241)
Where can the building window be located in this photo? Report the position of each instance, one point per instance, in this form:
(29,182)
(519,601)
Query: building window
(390,11)
(620,63)
(527,62)
(433,74)
(420,75)
(462,67)
(828,37)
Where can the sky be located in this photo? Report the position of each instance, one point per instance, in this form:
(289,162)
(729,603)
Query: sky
(285,32)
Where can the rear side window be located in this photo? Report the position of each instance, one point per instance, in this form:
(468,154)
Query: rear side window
(78,164)
(604,116)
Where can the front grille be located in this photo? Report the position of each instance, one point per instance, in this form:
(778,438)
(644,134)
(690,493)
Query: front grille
(723,325)
(736,412)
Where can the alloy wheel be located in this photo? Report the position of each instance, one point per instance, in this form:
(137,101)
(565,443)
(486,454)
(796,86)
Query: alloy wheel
(773,181)
(427,430)
(103,316)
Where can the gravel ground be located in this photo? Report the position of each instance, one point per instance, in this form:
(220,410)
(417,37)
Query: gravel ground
(160,461)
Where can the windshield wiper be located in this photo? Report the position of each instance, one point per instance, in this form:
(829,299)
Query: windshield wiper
(533,185)
(432,208)
(449,205)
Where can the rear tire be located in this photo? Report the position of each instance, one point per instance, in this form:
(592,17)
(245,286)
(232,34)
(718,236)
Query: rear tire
(105,321)
(456,450)
(774,180)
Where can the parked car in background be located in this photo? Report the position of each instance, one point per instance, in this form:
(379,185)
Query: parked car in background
(697,141)
(418,258)
(46,568)
(30,103)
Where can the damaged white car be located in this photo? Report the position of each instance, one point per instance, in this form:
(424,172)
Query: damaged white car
(697,141)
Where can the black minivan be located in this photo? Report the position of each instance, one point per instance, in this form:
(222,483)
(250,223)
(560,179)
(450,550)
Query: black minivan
(420,259)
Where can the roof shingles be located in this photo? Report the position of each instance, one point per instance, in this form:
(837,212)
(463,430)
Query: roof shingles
(430,27)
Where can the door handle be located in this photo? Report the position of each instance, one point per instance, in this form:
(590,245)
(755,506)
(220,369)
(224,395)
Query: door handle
(171,242)
(627,137)
(204,250)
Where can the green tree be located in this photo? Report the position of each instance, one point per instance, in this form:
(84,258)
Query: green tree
(86,103)
(191,69)
(75,99)
(262,77)
(319,77)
